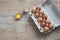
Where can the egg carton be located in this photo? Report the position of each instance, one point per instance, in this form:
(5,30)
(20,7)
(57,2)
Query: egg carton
(52,13)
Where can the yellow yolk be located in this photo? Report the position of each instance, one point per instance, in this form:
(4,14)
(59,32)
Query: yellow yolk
(18,16)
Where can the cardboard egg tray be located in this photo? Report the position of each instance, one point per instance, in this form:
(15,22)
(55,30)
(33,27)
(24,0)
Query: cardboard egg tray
(52,13)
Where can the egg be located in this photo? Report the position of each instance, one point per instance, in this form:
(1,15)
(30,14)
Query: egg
(41,11)
(37,11)
(50,26)
(40,15)
(47,21)
(33,10)
(46,29)
(44,16)
(38,8)
(36,15)
(39,19)
(44,20)
(43,24)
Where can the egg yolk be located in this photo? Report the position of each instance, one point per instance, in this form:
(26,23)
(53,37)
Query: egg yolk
(18,16)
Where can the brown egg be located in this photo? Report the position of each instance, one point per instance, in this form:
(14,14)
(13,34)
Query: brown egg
(47,21)
(38,8)
(37,11)
(36,15)
(50,26)
(44,16)
(43,24)
(41,11)
(33,10)
(39,19)
(46,29)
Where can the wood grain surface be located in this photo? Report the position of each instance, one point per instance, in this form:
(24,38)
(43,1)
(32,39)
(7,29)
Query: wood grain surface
(23,29)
